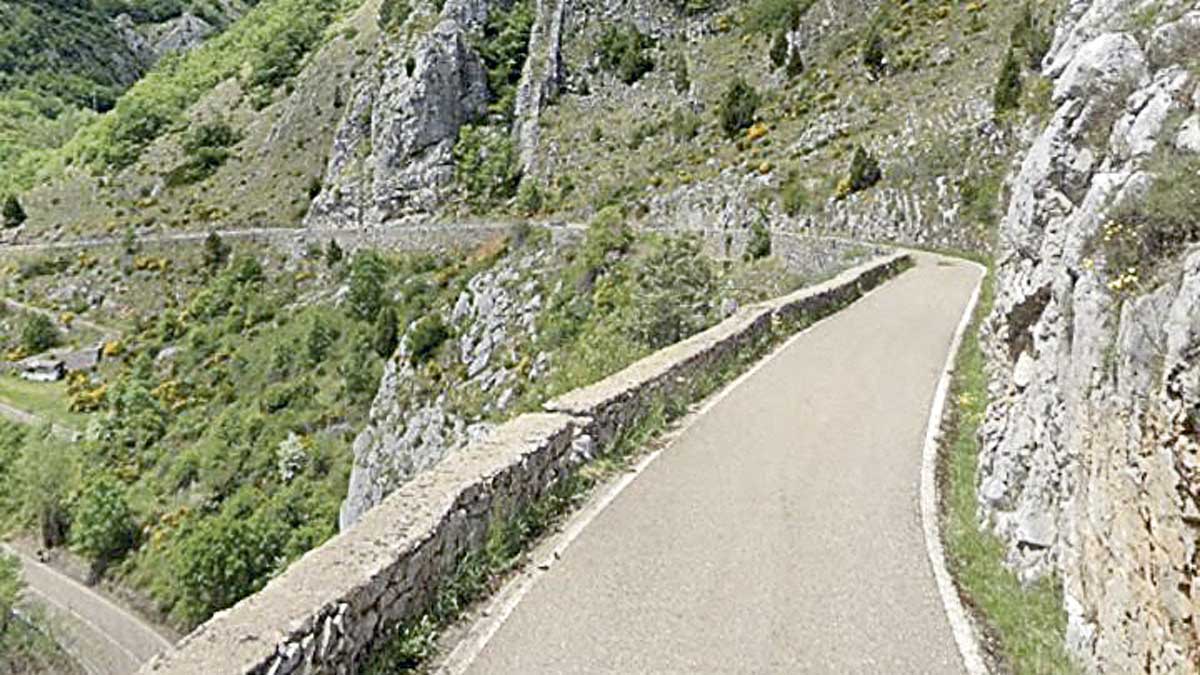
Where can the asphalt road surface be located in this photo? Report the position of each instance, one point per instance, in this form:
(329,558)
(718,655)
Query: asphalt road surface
(104,638)
(781,531)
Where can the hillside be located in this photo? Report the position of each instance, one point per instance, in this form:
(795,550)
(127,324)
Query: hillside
(63,61)
(647,166)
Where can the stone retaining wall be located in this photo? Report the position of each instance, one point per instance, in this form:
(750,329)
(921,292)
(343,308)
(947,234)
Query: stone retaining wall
(327,611)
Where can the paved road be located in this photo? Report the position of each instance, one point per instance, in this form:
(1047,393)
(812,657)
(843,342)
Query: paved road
(104,638)
(780,533)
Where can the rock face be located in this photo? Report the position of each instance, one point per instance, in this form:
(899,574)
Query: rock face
(1090,466)
(413,428)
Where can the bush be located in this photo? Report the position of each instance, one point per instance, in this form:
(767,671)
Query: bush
(759,245)
(873,56)
(38,334)
(333,253)
(780,49)
(393,14)
(103,528)
(207,149)
(427,336)
(1030,36)
(1007,95)
(1144,232)
(11,586)
(623,51)
(486,164)
(685,124)
(766,16)
(738,107)
(504,48)
(529,198)
(793,195)
(674,288)
(864,173)
(13,213)
(387,336)
(216,252)
(368,275)
(680,78)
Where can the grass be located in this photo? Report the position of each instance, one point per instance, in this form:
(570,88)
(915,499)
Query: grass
(47,400)
(1026,622)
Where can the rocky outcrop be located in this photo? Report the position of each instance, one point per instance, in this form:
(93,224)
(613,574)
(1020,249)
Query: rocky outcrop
(1090,453)
(392,153)
(540,80)
(413,427)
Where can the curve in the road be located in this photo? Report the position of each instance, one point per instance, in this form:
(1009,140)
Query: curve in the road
(780,532)
(105,638)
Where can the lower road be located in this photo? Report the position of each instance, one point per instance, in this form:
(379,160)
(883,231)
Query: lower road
(104,638)
(780,532)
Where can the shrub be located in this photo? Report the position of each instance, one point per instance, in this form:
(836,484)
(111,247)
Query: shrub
(486,164)
(13,213)
(103,528)
(207,149)
(765,16)
(685,124)
(1007,95)
(873,56)
(333,253)
(1144,232)
(427,336)
(11,586)
(780,47)
(1030,36)
(793,195)
(674,287)
(387,336)
(216,252)
(623,52)
(529,198)
(504,48)
(38,334)
(759,244)
(864,173)
(393,14)
(738,107)
(680,78)
(368,274)
(795,64)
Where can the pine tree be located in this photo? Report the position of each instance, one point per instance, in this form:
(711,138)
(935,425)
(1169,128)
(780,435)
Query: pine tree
(780,48)
(1008,88)
(13,214)
(333,253)
(795,64)
(216,252)
(387,336)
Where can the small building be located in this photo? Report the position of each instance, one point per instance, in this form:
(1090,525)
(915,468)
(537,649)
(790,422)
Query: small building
(85,359)
(42,370)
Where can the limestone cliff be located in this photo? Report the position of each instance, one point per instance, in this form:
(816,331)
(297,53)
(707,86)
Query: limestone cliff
(1090,462)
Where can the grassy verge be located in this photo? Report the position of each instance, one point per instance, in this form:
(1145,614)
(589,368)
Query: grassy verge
(1025,624)
(46,400)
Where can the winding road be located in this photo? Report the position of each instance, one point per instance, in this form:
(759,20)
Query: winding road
(780,532)
(101,636)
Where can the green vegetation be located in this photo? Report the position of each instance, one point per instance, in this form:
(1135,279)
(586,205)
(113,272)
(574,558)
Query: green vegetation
(264,49)
(103,528)
(24,649)
(864,173)
(1031,36)
(46,400)
(206,147)
(1026,621)
(38,334)
(1007,94)
(759,246)
(486,165)
(738,107)
(772,16)
(393,14)
(623,52)
(13,213)
(503,48)
(1145,232)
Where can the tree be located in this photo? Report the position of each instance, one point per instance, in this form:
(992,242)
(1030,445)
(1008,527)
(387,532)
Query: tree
(321,337)
(368,274)
(387,336)
(1007,95)
(427,335)
(738,107)
(780,49)
(216,252)
(333,253)
(38,334)
(13,213)
(864,170)
(873,56)
(795,64)
(759,245)
(103,528)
